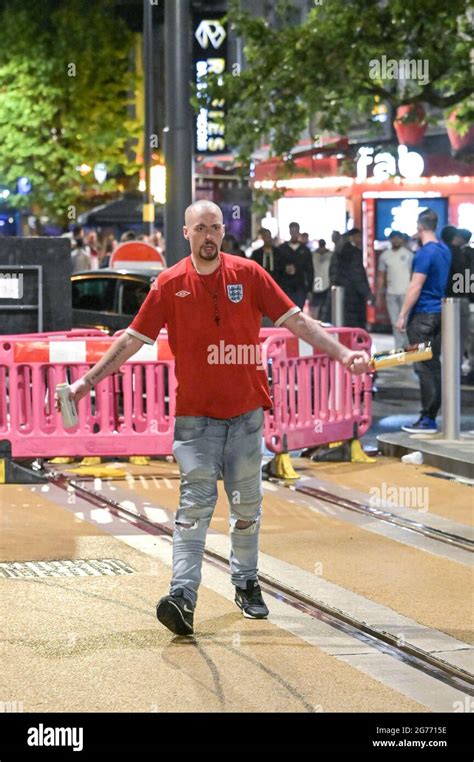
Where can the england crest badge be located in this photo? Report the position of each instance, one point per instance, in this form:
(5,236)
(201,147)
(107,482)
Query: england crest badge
(235,292)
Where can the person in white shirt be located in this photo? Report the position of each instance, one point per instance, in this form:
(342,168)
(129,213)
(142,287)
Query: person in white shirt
(80,257)
(393,277)
(320,302)
(92,249)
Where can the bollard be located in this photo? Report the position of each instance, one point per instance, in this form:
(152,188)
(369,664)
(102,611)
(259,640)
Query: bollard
(337,319)
(451,367)
(337,305)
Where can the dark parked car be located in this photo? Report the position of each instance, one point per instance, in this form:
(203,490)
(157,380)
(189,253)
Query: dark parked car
(108,298)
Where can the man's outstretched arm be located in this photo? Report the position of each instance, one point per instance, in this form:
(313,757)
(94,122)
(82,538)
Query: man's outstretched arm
(123,348)
(309,330)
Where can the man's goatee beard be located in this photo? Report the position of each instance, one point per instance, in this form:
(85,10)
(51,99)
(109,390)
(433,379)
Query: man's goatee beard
(208,257)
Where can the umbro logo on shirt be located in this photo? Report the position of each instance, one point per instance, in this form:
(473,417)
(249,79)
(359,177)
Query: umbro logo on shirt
(182,293)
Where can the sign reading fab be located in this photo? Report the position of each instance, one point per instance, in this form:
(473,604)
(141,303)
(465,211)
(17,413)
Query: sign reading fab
(210,57)
(384,164)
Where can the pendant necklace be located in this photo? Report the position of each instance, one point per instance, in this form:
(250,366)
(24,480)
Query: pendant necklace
(213,295)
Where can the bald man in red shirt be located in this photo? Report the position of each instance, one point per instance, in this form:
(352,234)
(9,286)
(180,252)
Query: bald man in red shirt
(212,304)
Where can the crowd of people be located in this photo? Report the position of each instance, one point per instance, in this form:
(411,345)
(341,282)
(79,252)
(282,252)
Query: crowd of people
(306,271)
(91,252)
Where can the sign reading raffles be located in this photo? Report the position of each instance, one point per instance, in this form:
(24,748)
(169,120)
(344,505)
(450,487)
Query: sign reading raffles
(210,56)
(384,164)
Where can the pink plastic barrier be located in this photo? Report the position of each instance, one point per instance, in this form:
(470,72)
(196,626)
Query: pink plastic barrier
(131,413)
(315,401)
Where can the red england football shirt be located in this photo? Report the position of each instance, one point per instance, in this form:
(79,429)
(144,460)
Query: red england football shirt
(218,364)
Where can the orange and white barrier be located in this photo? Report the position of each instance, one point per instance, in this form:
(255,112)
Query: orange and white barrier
(88,350)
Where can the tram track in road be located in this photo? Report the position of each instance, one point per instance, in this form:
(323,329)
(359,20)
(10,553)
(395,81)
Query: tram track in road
(384,642)
(376,513)
(379,514)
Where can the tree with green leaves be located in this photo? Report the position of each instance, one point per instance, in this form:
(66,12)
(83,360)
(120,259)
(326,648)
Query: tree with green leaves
(321,73)
(65,87)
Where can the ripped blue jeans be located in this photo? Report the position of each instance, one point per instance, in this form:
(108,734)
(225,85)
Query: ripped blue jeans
(207,449)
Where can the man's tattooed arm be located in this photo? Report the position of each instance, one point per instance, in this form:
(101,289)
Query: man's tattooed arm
(123,348)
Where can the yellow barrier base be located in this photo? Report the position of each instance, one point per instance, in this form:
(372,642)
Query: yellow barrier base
(61,459)
(99,472)
(281,467)
(139,460)
(358,455)
(347,451)
(91,461)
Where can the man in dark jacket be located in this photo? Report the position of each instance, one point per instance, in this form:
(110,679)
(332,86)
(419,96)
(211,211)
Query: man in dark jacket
(347,270)
(268,256)
(297,267)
